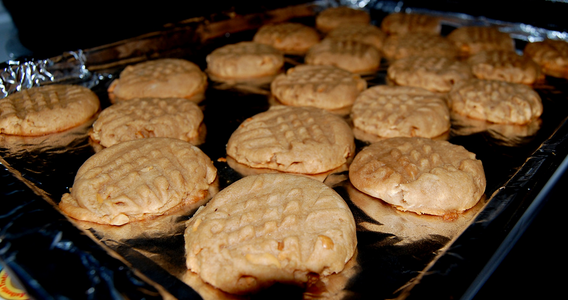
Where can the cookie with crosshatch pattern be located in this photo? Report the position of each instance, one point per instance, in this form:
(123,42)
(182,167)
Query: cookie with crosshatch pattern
(391,111)
(326,87)
(551,55)
(47,109)
(364,33)
(433,73)
(418,44)
(473,39)
(420,175)
(244,60)
(333,17)
(160,78)
(139,179)
(149,117)
(270,228)
(288,37)
(504,65)
(305,140)
(350,55)
(403,23)
(496,101)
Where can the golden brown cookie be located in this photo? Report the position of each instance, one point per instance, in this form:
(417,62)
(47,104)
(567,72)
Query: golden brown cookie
(244,60)
(392,111)
(418,44)
(350,55)
(160,78)
(421,175)
(149,117)
(137,180)
(434,73)
(473,39)
(304,140)
(47,109)
(496,101)
(403,23)
(364,33)
(270,228)
(550,55)
(504,65)
(326,87)
(290,38)
(334,17)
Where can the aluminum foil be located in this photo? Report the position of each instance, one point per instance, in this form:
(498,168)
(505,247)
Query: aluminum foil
(400,255)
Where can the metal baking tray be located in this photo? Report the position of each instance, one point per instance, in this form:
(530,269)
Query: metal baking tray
(400,255)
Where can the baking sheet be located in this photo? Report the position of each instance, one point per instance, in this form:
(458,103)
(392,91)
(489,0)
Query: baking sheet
(397,252)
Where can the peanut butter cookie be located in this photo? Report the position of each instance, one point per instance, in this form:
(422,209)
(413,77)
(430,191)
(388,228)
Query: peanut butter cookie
(270,228)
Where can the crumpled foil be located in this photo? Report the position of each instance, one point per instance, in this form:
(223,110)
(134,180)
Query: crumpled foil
(69,68)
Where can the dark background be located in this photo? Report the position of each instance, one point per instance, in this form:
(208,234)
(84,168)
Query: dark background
(535,266)
(48,28)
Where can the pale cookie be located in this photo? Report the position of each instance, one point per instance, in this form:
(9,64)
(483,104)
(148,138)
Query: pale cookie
(47,109)
(149,117)
(326,87)
(304,140)
(334,17)
(403,23)
(290,38)
(270,228)
(244,60)
(161,78)
(434,73)
(421,175)
(551,56)
(364,33)
(388,111)
(496,101)
(139,179)
(418,44)
(350,55)
(473,39)
(504,65)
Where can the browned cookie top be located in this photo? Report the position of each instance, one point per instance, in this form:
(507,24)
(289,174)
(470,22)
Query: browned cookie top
(244,60)
(148,117)
(139,179)
(551,55)
(305,140)
(334,17)
(420,175)
(47,109)
(350,55)
(290,38)
(473,39)
(403,23)
(324,86)
(160,78)
(496,101)
(270,228)
(504,65)
(391,111)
